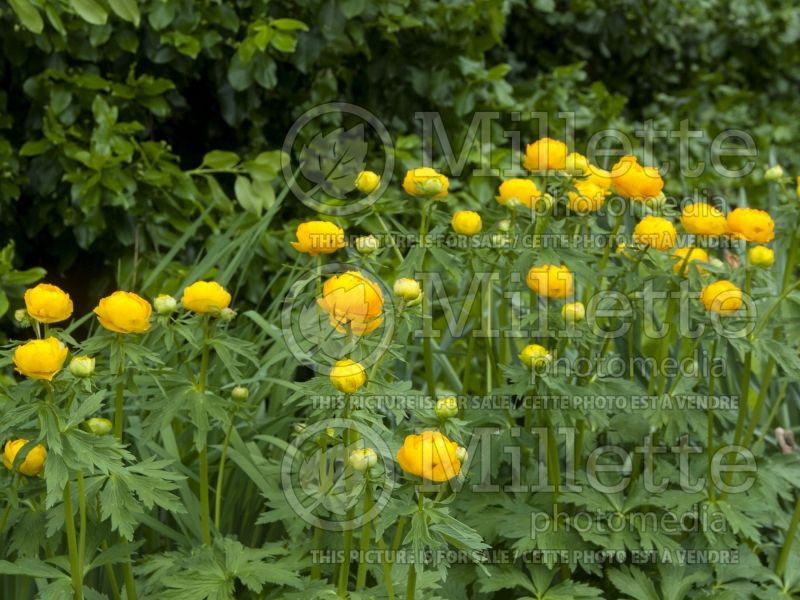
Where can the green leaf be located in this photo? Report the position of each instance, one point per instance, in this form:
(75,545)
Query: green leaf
(220,159)
(28,15)
(90,11)
(127,10)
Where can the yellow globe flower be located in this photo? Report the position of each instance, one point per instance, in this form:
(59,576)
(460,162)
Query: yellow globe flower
(205,298)
(518,192)
(48,303)
(546,154)
(751,224)
(40,359)
(34,460)
(701,218)
(348,376)
(534,356)
(466,222)
(426,182)
(367,182)
(588,197)
(430,455)
(579,165)
(319,237)
(352,301)
(124,312)
(550,281)
(761,256)
(633,181)
(721,297)
(656,232)
(685,256)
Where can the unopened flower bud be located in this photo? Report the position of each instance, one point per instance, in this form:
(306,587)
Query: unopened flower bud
(367,244)
(574,312)
(299,428)
(240,393)
(447,407)
(504,226)
(22,317)
(432,186)
(227,314)
(773,173)
(362,459)
(98,426)
(407,289)
(367,182)
(165,304)
(82,366)
(461,454)
(761,256)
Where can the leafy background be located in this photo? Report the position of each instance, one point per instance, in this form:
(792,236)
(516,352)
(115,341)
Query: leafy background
(140,148)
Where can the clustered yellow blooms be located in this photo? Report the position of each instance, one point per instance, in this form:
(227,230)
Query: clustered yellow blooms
(578,164)
(430,455)
(205,298)
(426,182)
(348,376)
(319,237)
(656,232)
(721,297)
(466,222)
(635,182)
(685,256)
(124,312)
(48,303)
(352,301)
(518,192)
(550,281)
(40,359)
(33,463)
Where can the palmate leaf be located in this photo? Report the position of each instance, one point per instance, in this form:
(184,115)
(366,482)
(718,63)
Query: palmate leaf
(333,160)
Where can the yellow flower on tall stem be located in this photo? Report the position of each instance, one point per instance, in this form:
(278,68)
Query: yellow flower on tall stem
(319,237)
(550,281)
(348,376)
(124,312)
(751,224)
(40,359)
(518,192)
(425,182)
(722,297)
(684,256)
(430,455)
(206,298)
(33,463)
(466,222)
(701,218)
(635,182)
(545,154)
(656,232)
(353,302)
(48,303)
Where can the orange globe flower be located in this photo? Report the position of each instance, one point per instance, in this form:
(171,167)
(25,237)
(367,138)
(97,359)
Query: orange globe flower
(352,301)
(550,281)
(430,455)
(633,181)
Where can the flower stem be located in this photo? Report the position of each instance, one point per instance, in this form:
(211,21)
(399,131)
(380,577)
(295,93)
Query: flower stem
(119,400)
(72,545)
(361,574)
(82,518)
(221,475)
(744,392)
(712,381)
(783,558)
(205,509)
(411,582)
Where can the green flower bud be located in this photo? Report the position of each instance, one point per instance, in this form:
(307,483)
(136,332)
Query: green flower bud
(362,459)
(165,304)
(82,366)
(98,426)
(240,393)
(447,407)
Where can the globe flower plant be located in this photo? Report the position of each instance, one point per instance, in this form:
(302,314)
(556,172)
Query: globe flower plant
(272,412)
